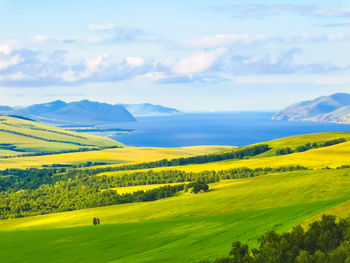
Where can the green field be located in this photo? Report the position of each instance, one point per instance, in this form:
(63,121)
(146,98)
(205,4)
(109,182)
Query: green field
(30,137)
(187,226)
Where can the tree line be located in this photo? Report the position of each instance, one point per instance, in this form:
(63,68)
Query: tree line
(199,159)
(69,196)
(309,146)
(324,241)
(42,191)
(13,180)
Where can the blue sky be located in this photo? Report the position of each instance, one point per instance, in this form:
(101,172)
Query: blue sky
(193,55)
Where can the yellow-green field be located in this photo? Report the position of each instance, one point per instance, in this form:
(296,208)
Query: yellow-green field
(332,156)
(114,155)
(34,137)
(180,228)
(132,189)
(226,197)
(234,209)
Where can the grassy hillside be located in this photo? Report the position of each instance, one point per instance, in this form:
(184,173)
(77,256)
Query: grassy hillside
(19,137)
(177,229)
(114,155)
(187,226)
(331,156)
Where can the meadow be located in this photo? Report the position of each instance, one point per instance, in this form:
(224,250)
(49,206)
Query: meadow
(21,136)
(178,229)
(185,227)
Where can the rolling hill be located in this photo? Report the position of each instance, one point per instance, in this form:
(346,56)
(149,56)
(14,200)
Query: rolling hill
(333,108)
(23,137)
(187,227)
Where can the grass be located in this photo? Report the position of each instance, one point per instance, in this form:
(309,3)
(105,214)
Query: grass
(132,189)
(114,155)
(331,156)
(299,140)
(32,137)
(185,227)
(180,228)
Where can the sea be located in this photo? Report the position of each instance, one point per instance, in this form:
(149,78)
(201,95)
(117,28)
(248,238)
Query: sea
(229,128)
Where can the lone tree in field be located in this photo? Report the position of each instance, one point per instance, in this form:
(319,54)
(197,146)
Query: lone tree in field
(198,186)
(96,221)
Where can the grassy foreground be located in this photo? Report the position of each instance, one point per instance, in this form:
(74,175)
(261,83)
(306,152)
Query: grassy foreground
(177,229)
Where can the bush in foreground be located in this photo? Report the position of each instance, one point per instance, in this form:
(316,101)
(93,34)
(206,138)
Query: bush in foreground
(325,241)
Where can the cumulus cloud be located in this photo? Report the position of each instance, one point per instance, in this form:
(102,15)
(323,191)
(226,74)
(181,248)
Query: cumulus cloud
(264,10)
(105,27)
(198,62)
(135,61)
(25,67)
(10,61)
(5,49)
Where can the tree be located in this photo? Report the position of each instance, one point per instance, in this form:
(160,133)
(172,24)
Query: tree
(96,221)
(198,186)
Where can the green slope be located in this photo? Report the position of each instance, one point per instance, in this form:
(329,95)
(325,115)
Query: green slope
(190,227)
(19,136)
(180,228)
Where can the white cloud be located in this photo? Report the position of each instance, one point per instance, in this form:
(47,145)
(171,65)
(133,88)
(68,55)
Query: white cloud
(11,61)
(40,38)
(105,27)
(135,61)
(5,49)
(27,68)
(337,12)
(198,62)
(69,76)
(43,39)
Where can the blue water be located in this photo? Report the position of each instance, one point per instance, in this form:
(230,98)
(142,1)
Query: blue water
(216,129)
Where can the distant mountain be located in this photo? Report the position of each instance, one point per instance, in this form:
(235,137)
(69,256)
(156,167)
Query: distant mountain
(80,112)
(333,108)
(146,109)
(5,109)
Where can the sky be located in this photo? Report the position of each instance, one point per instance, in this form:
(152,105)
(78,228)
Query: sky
(195,55)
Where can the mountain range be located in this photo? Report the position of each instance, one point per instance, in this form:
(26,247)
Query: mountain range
(85,112)
(333,108)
